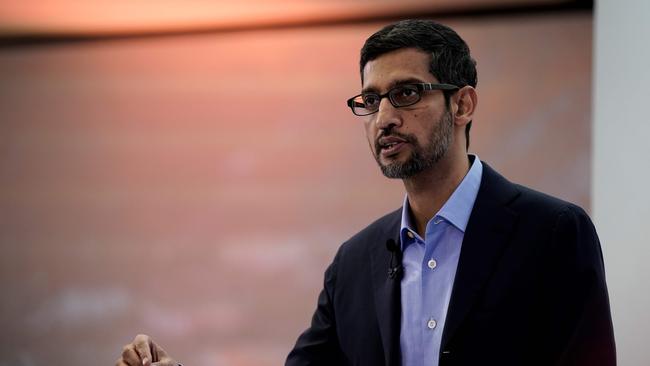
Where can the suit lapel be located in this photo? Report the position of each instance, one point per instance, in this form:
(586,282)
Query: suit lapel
(387,291)
(486,236)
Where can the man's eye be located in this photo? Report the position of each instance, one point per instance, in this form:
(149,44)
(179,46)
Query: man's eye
(406,92)
(370,100)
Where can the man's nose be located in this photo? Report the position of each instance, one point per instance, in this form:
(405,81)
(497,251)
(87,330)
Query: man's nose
(387,116)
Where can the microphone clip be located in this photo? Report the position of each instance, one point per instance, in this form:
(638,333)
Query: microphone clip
(395,269)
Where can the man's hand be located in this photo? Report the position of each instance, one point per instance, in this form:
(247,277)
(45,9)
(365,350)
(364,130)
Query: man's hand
(143,351)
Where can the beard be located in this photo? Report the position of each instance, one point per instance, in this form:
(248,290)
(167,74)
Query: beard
(422,157)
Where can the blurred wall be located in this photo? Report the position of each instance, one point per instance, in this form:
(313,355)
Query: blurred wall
(620,176)
(195,188)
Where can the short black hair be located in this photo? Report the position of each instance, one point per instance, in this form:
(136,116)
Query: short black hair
(451,62)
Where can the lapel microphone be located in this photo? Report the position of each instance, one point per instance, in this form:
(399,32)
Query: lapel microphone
(395,269)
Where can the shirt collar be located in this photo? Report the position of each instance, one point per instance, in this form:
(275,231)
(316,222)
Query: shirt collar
(458,207)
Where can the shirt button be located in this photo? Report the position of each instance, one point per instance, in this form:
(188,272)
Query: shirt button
(437,221)
(432,263)
(431,323)
(409,234)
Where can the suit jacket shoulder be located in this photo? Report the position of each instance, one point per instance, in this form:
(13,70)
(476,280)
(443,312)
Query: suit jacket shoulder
(358,308)
(530,275)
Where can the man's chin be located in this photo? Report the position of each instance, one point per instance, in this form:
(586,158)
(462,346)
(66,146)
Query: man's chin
(397,170)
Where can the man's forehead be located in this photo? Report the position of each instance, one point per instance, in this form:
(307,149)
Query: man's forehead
(391,83)
(389,69)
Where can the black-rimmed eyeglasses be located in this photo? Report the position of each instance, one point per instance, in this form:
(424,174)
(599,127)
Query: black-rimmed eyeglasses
(400,96)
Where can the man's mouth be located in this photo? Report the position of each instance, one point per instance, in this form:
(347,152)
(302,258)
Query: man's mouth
(390,145)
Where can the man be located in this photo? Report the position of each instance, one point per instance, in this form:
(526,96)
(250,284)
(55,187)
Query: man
(473,269)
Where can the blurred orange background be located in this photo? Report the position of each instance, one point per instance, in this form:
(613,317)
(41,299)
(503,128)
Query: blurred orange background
(194,187)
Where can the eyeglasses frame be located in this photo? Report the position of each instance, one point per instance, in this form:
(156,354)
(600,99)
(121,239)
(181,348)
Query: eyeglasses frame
(420,86)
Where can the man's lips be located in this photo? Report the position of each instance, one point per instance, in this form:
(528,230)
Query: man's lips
(390,145)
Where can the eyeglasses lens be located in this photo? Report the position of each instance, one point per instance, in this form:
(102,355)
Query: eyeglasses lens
(404,96)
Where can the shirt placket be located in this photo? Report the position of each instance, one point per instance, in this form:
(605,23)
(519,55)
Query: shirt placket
(431,314)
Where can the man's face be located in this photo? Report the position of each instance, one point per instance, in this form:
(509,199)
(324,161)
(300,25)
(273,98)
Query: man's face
(407,140)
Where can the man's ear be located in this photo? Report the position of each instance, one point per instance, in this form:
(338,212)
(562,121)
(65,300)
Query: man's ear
(465,101)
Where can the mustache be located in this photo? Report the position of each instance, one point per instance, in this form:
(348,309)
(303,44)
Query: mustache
(387,133)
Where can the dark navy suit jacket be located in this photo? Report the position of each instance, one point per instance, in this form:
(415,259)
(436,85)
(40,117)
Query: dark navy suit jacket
(529,290)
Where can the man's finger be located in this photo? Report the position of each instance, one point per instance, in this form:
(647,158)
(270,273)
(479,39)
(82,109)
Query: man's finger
(143,345)
(130,356)
(158,353)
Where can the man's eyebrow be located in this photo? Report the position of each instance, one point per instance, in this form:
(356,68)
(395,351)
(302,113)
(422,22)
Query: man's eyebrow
(394,83)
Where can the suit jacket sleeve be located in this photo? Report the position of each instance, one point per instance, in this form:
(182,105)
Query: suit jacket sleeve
(319,345)
(585,334)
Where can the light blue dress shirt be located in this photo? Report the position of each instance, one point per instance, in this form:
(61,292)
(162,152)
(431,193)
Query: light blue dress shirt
(429,270)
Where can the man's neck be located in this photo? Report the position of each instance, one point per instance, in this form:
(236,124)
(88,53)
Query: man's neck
(429,190)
